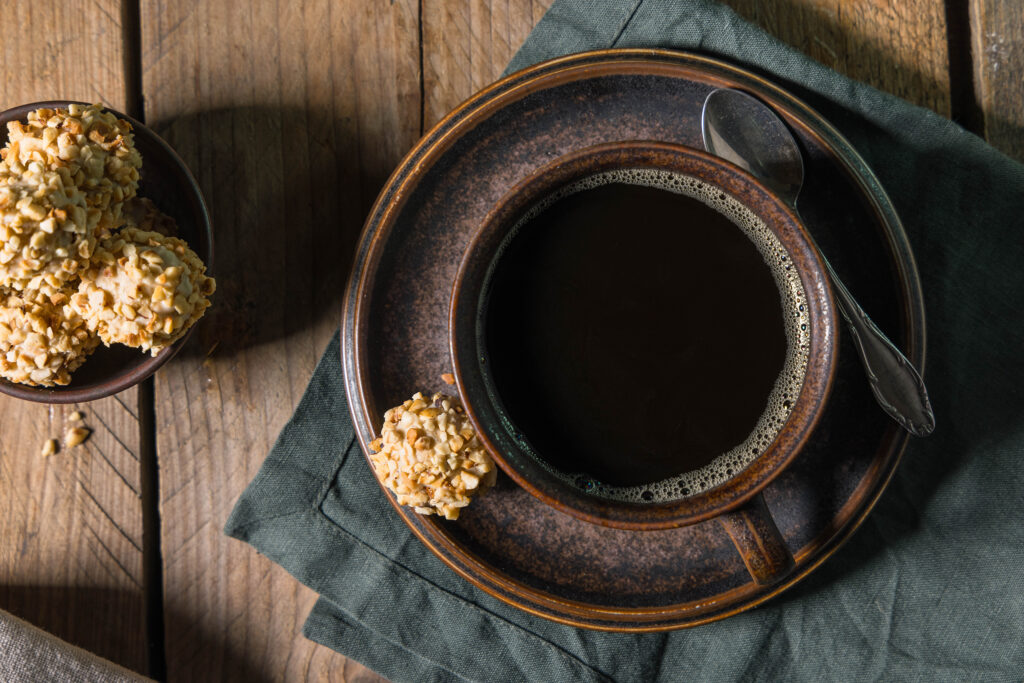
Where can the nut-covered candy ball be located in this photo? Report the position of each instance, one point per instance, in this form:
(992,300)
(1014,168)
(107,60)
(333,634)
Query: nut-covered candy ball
(143,290)
(42,341)
(94,146)
(429,455)
(46,237)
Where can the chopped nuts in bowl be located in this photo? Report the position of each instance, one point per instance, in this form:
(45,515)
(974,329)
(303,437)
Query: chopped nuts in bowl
(79,184)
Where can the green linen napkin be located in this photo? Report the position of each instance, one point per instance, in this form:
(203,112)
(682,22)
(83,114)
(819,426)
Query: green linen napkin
(935,592)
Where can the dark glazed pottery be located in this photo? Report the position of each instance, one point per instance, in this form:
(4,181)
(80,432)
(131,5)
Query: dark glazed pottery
(167,181)
(484,405)
(395,340)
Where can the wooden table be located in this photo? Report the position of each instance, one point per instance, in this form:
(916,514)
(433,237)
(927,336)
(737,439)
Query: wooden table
(292,115)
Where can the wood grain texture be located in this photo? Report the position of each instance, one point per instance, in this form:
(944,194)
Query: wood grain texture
(57,50)
(71,527)
(899,47)
(466,46)
(291,116)
(71,524)
(997,28)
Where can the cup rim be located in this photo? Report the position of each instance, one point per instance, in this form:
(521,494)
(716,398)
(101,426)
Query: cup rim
(486,418)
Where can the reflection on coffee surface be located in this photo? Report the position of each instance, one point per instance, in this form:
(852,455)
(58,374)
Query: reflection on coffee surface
(645,334)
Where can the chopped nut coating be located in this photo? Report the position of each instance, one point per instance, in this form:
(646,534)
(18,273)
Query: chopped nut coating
(49,448)
(144,290)
(46,232)
(41,343)
(430,457)
(87,144)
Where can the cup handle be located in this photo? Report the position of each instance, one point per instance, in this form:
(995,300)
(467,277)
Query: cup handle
(758,541)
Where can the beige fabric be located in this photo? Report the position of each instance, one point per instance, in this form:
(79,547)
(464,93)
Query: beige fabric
(28,654)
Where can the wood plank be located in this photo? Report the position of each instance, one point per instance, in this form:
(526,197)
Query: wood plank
(997,28)
(71,524)
(466,46)
(898,47)
(291,116)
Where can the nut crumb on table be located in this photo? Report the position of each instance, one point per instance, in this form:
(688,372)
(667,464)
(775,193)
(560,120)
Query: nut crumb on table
(50,447)
(76,436)
(429,455)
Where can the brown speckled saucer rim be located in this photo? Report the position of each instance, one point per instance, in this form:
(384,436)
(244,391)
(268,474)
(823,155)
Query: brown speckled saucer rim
(677,65)
(147,367)
(741,186)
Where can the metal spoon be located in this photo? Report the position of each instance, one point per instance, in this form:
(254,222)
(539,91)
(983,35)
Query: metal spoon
(740,129)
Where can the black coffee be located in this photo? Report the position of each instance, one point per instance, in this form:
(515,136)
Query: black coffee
(633,334)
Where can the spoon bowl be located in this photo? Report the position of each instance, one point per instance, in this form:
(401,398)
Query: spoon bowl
(737,127)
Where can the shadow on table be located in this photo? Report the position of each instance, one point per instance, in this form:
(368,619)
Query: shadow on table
(203,655)
(1006,135)
(106,622)
(110,623)
(847,48)
(288,190)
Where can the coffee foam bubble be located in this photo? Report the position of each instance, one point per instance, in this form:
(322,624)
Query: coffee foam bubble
(787,386)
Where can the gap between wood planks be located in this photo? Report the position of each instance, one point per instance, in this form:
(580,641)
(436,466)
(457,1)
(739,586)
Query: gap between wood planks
(152,556)
(423,89)
(964,107)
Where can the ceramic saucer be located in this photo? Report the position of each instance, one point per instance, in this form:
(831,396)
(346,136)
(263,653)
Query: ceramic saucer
(395,338)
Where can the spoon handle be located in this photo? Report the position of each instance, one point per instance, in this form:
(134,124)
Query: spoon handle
(897,385)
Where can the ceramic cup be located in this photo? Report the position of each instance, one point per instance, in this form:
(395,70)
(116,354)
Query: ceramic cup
(735,501)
